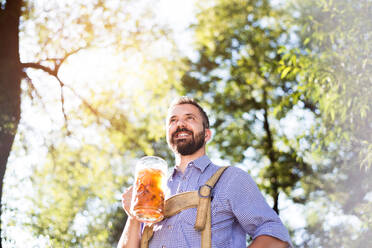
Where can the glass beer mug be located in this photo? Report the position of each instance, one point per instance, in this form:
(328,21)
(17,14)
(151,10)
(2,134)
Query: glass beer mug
(148,189)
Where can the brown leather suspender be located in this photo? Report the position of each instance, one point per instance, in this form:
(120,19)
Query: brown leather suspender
(201,200)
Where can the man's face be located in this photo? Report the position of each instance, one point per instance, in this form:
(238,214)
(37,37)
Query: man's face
(185,131)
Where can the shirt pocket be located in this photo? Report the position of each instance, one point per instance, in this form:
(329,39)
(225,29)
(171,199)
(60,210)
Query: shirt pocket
(188,216)
(187,221)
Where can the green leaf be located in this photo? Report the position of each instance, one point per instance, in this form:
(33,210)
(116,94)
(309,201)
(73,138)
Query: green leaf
(285,72)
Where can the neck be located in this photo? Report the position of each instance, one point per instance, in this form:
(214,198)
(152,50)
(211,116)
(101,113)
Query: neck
(183,160)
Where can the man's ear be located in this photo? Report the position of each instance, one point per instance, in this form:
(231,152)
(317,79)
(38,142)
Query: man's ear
(208,135)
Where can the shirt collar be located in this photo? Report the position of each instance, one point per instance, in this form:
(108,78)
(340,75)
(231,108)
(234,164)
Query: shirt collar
(201,163)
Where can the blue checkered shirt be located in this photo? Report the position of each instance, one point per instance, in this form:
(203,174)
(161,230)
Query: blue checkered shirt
(238,209)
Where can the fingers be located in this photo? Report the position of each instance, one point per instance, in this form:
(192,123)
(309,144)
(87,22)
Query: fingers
(126,199)
(127,195)
(127,190)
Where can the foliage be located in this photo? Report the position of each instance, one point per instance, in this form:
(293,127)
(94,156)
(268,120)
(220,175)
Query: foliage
(74,193)
(259,68)
(99,125)
(57,28)
(287,88)
(238,75)
(335,66)
(87,170)
(45,35)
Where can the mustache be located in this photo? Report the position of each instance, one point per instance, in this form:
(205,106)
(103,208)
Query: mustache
(181,130)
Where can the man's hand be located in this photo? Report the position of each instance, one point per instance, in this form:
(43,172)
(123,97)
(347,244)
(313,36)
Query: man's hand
(265,241)
(130,238)
(126,199)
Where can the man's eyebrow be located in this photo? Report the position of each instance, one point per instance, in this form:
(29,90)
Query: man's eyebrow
(187,114)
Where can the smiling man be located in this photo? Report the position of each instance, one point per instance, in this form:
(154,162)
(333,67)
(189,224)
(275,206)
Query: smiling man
(233,206)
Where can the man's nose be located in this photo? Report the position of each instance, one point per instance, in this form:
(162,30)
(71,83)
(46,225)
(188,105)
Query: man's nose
(181,123)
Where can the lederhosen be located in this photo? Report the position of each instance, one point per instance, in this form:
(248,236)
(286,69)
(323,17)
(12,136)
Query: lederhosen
(201,200)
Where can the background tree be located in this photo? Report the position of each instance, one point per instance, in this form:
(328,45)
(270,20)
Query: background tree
(9,80)
(287,87)
(76,202)
(335,71)
(237,73)
(44,36)
(260,67)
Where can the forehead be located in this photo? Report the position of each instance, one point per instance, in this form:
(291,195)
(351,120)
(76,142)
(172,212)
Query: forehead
(183,109)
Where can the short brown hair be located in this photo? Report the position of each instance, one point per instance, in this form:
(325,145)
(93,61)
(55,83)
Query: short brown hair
(188,100)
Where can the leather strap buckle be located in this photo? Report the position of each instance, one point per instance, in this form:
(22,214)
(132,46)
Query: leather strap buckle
(210,191)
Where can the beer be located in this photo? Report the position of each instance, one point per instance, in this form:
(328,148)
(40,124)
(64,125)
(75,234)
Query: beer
(148,195)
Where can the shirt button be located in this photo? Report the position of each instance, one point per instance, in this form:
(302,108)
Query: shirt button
(170,226)
(163,246)
(184,178)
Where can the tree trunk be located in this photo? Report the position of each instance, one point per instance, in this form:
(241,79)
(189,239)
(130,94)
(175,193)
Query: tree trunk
(271,153)
(10,78)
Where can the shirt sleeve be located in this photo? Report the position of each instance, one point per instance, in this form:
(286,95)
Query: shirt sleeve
(251,209)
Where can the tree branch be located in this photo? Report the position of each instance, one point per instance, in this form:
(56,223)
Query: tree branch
(59,61)
(33,88)
(63,105)
(54,73)
(85,102)
(56,61)
(40,67)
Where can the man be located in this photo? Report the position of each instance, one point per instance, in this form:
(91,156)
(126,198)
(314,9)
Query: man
(237,206)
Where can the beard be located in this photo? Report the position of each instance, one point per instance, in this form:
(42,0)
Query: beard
(185,146)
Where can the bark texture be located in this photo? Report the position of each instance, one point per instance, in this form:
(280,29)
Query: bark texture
(10,80)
